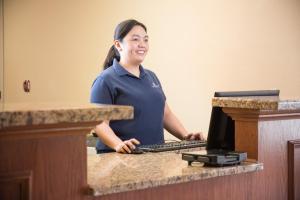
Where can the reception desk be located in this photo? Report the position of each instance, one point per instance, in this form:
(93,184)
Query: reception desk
(43,155)
(268,129)
(166,176)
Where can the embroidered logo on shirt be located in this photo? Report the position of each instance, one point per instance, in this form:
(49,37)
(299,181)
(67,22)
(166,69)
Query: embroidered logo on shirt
(155,85)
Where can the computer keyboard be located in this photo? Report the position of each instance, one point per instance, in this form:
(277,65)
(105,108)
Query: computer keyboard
(171,146)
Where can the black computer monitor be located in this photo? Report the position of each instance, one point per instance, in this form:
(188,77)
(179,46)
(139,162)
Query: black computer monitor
(221,127)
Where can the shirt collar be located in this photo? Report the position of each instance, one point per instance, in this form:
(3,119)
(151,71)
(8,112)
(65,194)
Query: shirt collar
(121,71)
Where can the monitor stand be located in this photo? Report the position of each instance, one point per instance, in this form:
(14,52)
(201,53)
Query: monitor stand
(215,157)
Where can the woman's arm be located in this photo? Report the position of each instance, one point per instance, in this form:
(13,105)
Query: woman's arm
(108,137)
(174,126)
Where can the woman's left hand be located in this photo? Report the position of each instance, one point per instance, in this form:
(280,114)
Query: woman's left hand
(194,136)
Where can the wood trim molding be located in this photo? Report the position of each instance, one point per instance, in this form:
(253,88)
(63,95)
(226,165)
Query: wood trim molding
(255,115)
(16,185)
(37,131)
(242,114)
(294,169)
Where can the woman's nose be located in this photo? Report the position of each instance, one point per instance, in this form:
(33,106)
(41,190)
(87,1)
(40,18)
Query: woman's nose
(142,44)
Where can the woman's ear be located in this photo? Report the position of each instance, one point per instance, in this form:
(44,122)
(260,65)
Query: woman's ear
(117,45)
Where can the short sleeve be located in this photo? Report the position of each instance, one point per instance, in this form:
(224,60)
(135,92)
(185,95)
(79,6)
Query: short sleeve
(100,92)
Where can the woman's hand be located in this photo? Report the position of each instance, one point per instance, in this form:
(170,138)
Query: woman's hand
(126,146)
(194,136)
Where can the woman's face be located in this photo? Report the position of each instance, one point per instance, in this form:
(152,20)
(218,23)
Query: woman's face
(134,46)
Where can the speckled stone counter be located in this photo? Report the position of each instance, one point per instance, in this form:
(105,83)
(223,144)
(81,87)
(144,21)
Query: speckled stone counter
(41,114)
(260,103)
(112,172)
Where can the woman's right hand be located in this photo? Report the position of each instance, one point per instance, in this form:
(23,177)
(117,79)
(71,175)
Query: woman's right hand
(127,146)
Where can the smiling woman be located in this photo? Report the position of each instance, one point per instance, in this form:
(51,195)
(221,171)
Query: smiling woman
(125,81)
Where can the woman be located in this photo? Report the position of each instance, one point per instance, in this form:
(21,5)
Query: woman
(124,81)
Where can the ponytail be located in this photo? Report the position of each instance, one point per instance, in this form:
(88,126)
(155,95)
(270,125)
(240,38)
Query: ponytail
(112,54)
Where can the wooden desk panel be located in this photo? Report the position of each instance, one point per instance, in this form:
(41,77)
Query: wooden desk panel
(56,163)
(43,154)
(265,136)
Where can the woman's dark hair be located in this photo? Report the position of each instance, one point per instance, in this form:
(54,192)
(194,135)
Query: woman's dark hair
(120,32)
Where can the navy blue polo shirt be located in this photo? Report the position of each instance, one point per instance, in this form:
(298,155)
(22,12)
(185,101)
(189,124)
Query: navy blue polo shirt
(116,85)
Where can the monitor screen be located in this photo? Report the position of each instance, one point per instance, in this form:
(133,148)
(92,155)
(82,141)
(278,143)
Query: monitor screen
(221,127)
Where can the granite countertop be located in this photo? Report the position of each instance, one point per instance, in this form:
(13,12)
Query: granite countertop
(113,172)
(14,115)
(260,103)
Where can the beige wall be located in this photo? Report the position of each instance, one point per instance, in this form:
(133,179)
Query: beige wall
(196,48)
(1,54)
